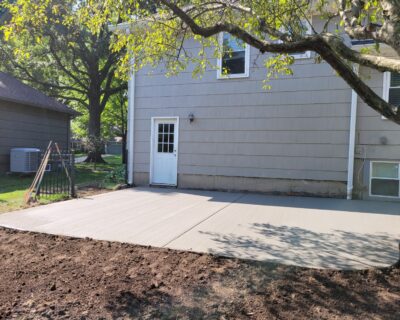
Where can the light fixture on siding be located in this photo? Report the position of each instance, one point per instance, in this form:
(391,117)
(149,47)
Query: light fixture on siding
(191,117)
(383,140)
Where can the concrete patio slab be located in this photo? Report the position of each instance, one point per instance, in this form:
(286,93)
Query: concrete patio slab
(310,232)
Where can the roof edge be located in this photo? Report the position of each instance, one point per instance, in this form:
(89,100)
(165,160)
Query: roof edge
(67,110)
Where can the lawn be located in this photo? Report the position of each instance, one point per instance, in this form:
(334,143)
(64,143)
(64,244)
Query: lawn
(53,277)
(104,177)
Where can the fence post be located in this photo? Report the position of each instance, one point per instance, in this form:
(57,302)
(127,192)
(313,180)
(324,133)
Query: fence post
(72,175)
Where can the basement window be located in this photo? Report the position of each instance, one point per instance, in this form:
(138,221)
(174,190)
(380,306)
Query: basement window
(384,179)
(235,57)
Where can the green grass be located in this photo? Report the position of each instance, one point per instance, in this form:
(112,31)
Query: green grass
(89,175)
(78,155)
(12,190)
(13,187)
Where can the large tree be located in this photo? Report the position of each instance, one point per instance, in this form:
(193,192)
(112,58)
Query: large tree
(275,27)
(113,121)
(116,119)
(46,44)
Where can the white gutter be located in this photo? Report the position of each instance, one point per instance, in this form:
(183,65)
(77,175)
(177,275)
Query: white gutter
(131,126)
(352,141)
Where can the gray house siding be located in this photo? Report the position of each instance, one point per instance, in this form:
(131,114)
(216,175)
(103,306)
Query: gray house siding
(292,138)
(377,138)
(26,126)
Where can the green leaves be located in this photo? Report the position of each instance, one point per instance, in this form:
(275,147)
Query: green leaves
(164,33)
(157,39)
(277,65)
(62,47)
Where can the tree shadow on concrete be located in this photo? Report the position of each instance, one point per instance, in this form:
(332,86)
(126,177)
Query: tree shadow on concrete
(302,247)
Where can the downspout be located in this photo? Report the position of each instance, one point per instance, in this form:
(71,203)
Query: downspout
(131,126)
(352,141)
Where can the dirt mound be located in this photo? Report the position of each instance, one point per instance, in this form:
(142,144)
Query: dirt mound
(51,277)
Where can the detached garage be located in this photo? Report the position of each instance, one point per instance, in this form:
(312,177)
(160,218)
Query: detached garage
(29,119)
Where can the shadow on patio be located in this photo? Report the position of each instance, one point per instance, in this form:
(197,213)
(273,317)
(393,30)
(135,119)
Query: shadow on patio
(339,249)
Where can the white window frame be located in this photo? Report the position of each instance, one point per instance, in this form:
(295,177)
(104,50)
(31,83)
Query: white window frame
(386,88)
(220,74)
(371,177)
(306,54)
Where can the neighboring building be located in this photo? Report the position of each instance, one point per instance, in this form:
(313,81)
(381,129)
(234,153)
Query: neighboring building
(113,147)
(28,118)
(228,133)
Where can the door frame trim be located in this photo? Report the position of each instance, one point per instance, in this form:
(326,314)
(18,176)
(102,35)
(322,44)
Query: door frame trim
(153,120)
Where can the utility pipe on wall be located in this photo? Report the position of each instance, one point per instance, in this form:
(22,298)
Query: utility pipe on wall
(131,125)
(131,110)
(352,141)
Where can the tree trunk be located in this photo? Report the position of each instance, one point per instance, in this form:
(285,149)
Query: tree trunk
(124,151)
(94,156)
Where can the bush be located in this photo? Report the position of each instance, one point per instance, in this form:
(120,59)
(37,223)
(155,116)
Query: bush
(116,175)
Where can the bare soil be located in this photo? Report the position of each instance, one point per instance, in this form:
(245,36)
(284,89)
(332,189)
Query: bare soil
(52,277)
(91,191)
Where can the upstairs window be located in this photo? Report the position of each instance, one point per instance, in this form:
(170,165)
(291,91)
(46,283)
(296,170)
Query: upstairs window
(391,88)
(235,57)
(385,179)
(306,29)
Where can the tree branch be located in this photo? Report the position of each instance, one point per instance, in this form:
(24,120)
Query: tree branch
(32,79)
(69,98)
(62,66)
(323,46)
(368,60)
(355,82)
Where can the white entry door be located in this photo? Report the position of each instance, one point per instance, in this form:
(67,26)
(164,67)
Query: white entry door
(164,164)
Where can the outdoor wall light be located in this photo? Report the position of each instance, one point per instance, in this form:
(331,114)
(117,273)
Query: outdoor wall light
(191,117)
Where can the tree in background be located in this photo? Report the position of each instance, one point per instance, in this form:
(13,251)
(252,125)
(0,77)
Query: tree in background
(277,28)
(114,121)
(115,118)
(46,45)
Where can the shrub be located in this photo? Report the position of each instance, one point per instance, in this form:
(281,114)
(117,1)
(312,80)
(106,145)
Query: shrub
(116,175)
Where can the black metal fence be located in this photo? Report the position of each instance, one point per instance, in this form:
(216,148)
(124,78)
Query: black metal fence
(59,175)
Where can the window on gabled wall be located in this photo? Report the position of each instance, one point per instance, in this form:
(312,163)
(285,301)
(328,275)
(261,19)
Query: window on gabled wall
(235,57)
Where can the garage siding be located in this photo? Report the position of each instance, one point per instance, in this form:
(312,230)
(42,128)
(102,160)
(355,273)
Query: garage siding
(32,127)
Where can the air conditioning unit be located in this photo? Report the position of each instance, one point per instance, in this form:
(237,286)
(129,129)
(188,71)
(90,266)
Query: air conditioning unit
(24,160)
